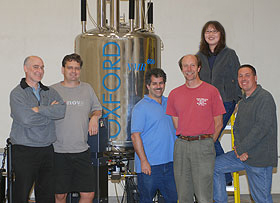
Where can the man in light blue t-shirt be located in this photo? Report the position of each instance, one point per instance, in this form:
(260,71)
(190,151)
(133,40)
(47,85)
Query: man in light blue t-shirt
(153,137)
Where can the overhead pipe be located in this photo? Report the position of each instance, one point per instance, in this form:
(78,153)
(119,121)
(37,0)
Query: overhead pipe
(137,18)
(115,15)
(131,14)
(101,14)
(141,13)
(83,15)
(150,16)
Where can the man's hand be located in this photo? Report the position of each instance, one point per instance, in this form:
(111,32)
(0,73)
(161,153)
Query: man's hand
(54,102)
(242,157)
(146,168)
(218,120)
(93,125)
(35,109)
(139,149)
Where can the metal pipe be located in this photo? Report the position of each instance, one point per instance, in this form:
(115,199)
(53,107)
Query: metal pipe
(150,12)
(83,15)
(141,13)
(101,13)
(115,15)
(132,9)
(137,19)
(150,16)
(131,14)
(131,25)
(84,26)
(10,177)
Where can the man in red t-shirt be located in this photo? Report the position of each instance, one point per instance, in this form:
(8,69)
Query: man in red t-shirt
(196,108)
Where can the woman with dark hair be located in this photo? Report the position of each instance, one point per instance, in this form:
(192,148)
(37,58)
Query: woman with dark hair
(219,68)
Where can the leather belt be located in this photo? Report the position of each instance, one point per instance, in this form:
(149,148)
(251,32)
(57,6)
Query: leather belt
(198,137)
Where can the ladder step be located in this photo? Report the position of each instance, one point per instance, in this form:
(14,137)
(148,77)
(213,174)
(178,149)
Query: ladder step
(230,188)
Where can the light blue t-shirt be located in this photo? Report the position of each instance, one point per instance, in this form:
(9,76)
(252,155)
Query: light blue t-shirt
(37,92)
(156,130)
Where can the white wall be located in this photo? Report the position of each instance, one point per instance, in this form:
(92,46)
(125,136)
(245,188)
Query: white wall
(252,30)
(48,28)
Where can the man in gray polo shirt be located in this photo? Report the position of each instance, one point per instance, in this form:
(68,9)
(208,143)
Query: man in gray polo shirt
(74,171)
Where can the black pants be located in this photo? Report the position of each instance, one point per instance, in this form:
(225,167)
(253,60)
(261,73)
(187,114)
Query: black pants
(33,165)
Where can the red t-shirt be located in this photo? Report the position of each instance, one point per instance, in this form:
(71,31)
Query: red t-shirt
(195,108)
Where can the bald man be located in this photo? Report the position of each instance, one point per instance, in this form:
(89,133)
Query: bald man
(34,107)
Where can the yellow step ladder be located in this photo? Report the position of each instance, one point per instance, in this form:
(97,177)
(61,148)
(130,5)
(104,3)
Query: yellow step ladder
(236,187)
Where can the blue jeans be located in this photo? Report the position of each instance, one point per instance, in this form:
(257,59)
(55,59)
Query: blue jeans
(259,178)
(162,179)
(229,107)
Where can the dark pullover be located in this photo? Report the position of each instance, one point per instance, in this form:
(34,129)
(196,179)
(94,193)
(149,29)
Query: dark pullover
(223,74)
(255,129)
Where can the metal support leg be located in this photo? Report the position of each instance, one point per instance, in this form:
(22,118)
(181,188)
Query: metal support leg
(9,172)
(235,174)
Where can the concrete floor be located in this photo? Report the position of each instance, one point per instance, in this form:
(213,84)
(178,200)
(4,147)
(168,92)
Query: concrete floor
(247,199)
(243,199)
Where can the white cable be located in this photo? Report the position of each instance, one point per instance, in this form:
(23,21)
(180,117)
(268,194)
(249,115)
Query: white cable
(116,192)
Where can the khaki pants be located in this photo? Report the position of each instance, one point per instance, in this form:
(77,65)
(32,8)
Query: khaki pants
(193,169)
